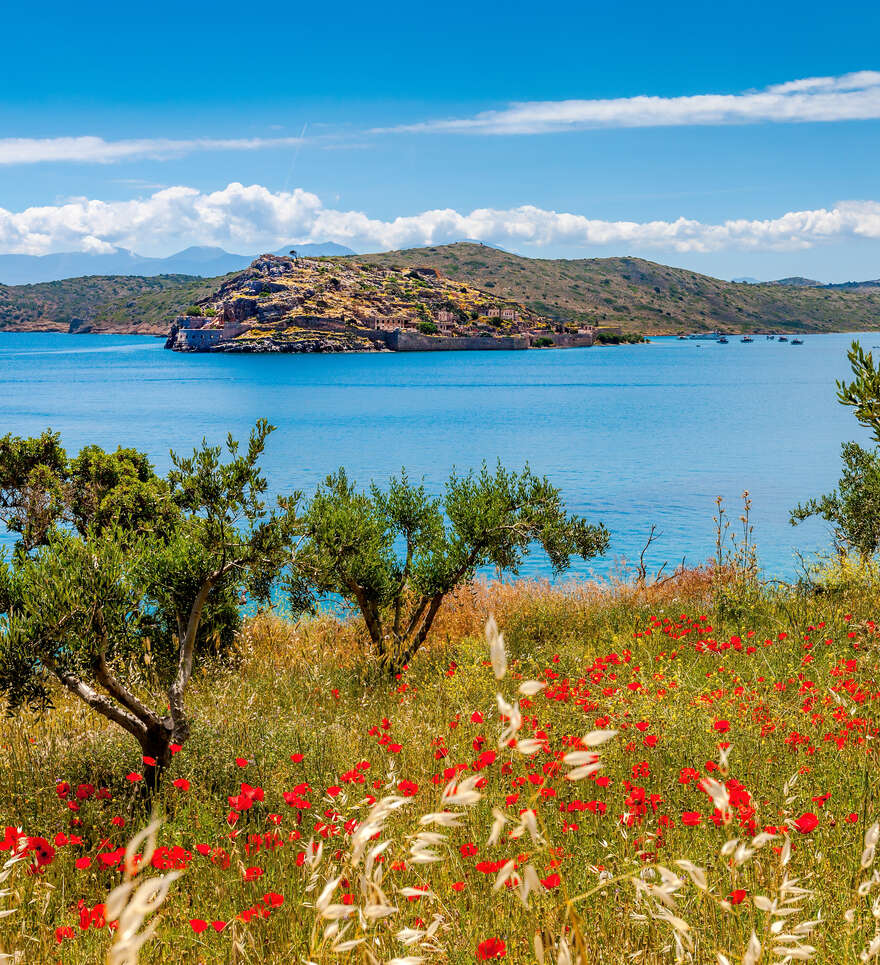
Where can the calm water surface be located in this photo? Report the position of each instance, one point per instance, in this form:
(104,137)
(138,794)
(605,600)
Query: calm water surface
(633,435)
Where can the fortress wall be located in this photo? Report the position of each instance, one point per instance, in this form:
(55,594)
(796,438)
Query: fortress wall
(402,341)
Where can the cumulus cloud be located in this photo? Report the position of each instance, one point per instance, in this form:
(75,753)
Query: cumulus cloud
(849,97)
(249,218)
(95,150)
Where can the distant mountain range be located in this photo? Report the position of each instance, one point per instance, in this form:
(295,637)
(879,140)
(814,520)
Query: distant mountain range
(199,261)
(798,281)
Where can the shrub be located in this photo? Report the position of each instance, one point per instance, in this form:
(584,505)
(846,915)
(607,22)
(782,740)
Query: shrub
(194,311)
(427,327)
(853,509)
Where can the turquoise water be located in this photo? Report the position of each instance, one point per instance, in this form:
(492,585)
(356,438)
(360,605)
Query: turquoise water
(633,435)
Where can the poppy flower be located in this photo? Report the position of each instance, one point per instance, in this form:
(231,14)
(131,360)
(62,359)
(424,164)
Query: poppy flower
(198,925)
(807,822)
(737,896)
(134,777)
(491,948)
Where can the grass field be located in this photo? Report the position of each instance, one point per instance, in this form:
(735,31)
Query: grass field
(321,813)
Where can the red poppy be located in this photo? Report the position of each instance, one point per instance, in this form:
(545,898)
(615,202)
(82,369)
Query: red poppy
(807,822)
(198,925)
(491,948)
(181,783)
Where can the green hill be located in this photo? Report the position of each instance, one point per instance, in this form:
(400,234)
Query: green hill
(99,303)
(637,295)
(642,296)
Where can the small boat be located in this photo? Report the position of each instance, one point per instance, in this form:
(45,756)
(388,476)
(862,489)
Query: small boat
(747,338)
(722,340)
(797,341)
(682,338)
(783,338)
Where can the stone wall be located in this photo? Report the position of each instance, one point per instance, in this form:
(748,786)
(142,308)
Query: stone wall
(561,340)
(401,341)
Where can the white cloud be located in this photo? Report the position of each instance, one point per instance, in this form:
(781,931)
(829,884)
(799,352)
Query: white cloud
(252,218)
(849,97)
(95,150)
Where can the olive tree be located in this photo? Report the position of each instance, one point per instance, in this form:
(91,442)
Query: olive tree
(395,554)
(121,578)
(853,509)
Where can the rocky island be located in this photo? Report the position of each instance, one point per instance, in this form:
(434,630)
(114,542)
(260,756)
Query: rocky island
(292,304)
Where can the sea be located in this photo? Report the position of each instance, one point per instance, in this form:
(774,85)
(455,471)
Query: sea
(635,436)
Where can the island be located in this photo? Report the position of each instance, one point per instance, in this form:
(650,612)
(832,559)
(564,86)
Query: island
(294,304)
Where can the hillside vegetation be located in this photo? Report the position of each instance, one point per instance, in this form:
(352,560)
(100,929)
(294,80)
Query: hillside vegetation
(637,295)
(641,296)
(99,303)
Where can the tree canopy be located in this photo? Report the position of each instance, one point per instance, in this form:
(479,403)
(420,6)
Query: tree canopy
(395,554)
(122,578)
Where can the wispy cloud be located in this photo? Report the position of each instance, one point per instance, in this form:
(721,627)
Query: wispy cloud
(97,150)
(850,97)
(250,217)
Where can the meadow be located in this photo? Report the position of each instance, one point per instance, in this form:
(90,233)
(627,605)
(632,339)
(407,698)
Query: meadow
(680,772)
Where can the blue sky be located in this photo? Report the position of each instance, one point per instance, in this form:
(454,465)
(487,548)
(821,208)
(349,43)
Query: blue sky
(389,125)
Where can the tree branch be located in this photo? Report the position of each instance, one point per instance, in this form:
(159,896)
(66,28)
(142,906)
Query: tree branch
(101,704)
(401,589)
(106,678)
(187,644)
(419,638)
(371,616)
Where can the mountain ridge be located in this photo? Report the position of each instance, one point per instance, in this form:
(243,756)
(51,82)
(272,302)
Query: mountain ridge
(637,295)
(207,261)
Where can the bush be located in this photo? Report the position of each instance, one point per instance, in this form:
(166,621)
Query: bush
(544,342)
(427,327)
(194,311)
